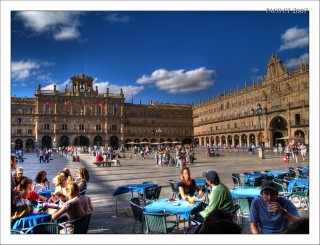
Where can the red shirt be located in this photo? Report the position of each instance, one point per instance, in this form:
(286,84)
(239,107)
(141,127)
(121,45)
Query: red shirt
(33,196)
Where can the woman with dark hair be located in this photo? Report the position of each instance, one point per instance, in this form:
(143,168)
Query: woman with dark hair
(41,179)
(187,186)
(33,196)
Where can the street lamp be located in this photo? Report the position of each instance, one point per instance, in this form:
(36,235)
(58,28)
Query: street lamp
(259,111)
(159,131)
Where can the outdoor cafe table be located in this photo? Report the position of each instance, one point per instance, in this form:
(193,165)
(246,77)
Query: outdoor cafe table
(31,220)
(276,173)
(179,207)
(305,170)
(297,182)
(249,178)
(139,188)
(46,193)
(245,192)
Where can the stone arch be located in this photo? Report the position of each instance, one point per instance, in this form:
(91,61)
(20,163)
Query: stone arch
(217,140)
(46,142)
(229,140)
(252,139)
(236,140)
(98,141)
(212,140)
(243,139)
(18,144)
(81,141)
(114,142)
(29,144)
(64,141)
(223,140)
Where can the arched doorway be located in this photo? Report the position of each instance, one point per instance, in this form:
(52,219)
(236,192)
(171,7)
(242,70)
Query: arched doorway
(18,144)
(64,141)
(46,142)
(236,140)
(299,133)
(243,140)
(114,142)
(252,139)
(223,140)
(197,141)
(229,140)
(98,141)
(217,140)
(81,141)
(212,141)
(187,141)
(279,128)
(277,135)
(29,144)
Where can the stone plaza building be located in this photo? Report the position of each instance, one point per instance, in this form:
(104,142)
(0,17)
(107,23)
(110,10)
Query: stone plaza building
(81,116)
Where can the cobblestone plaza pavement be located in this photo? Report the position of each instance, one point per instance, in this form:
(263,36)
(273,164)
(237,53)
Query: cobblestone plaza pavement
(104,180)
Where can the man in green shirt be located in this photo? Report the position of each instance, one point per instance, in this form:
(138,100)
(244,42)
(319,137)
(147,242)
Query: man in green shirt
(219,197)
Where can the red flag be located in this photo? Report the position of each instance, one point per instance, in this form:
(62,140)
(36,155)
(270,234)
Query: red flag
(100,104)
(67,102)
(46,102)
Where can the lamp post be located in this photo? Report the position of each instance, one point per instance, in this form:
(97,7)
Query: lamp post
(261,151)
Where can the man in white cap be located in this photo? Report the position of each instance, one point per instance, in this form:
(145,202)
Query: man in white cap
(18,176)
(219,197)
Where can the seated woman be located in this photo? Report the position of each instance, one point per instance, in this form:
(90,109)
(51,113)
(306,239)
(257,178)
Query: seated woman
(77,206)
(82,179)
(33,196)
(67,174)
(41,179)
(21,206)
(187,186)
(60,192)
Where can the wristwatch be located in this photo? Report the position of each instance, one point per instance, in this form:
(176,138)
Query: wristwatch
(284,212)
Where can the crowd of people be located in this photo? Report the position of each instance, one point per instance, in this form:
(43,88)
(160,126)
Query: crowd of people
(68,193)
(214,216)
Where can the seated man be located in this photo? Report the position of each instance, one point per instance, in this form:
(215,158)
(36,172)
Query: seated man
(270,213)
(219,198)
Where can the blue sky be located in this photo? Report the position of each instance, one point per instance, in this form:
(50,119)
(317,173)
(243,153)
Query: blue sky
(167,56)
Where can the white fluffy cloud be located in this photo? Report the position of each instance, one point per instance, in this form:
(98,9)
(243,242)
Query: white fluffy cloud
(294,38)
(67,33)
(115,17)
(294,63)
(62,25)
(179,81)
(29,69)
(21,70)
